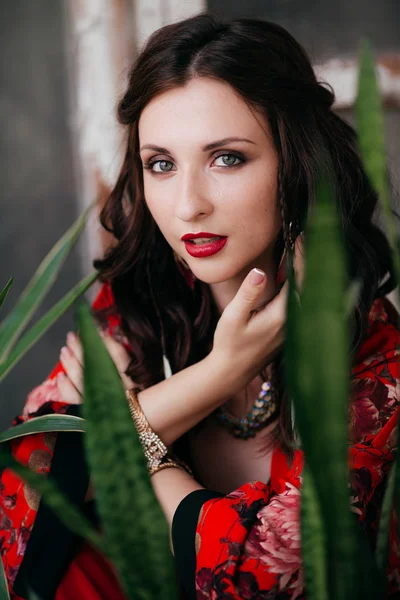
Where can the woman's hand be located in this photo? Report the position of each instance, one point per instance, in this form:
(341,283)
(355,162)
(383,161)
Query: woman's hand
(71,385)
(248,339)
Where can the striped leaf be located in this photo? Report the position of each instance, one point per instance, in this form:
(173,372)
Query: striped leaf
(313,541)
(37,288)
(4,292)
(4,595)
(319,370)
(135,529)
(371,136)
(383,537)
(44,424)
(40,327)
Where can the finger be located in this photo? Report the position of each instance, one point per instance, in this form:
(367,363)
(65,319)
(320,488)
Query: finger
(75,345)
(247,296)
(120,357)
(275,311)
(72,367)
(68,392)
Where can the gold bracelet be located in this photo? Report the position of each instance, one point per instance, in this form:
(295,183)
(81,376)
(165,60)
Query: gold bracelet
(170,462)
(154,448)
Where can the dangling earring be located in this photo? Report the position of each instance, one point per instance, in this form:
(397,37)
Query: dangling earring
(184,269)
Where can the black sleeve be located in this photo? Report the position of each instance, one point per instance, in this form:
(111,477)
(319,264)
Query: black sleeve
(51,545)
(183,534)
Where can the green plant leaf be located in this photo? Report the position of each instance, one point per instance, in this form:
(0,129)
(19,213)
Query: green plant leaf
(319,369)
(39,329)
(382,542)
(43,424)
(4,595)
(135,529)
(351,296)
(313,542)
(51,495)
(371,137)
(37,288)
(4,292)
(32,595)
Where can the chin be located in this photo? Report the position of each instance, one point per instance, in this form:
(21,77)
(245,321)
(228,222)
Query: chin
(214,275)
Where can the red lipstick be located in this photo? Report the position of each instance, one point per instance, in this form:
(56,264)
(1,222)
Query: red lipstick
(204,248)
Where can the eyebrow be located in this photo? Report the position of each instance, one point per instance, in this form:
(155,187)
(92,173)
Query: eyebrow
(205,148)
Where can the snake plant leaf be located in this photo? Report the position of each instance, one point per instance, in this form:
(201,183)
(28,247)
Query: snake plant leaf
(43,424)
(351,296)
(37,288)
(383,537)
(4,292)
(321,372)
(4,594)
(313,542)
(32,595)
(135,529)
(53,497)
(371,137)
(40,327)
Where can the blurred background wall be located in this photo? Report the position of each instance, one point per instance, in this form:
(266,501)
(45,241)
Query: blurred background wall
(38,192)
(63,66)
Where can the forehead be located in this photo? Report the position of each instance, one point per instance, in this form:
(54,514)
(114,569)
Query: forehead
(201,110)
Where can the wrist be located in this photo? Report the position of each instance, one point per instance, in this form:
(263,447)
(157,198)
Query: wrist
(226,376)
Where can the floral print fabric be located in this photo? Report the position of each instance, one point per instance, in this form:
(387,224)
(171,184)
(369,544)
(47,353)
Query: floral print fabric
(248,543)
(19,503)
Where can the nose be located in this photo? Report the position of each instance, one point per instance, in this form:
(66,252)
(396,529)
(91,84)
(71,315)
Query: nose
(192,200)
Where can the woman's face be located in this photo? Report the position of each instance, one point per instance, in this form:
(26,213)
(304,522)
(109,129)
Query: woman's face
(229,189)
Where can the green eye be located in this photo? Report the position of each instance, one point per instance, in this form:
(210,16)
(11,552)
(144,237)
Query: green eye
(164,166)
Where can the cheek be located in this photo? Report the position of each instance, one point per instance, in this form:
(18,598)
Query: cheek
(256,205)
(159,209)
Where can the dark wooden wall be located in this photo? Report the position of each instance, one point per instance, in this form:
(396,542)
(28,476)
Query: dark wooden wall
(37,194)
(326,28)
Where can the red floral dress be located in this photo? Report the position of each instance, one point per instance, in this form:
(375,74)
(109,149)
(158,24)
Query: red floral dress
(247,544)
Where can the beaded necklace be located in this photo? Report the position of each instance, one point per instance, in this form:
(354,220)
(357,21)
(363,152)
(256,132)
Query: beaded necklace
(258,417)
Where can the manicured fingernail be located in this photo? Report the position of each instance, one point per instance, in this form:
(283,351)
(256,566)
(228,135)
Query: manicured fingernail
(64,351)
(71,336)
(257,276)
(101,333)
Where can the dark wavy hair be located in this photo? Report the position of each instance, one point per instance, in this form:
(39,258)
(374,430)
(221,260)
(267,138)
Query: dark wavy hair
(265,65)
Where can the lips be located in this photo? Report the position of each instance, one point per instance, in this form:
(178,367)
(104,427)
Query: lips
(206,249)
(188,237)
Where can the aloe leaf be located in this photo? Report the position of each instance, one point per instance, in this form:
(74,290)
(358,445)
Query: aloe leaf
(39,329)
(383,537)
(320,369)
(53,497)
(4,595)
(135,529)
(37,288)
(371,137)
(313,542)
(43,424)
(4,292)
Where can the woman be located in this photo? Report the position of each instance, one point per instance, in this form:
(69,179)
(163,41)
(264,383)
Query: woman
(226,128)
